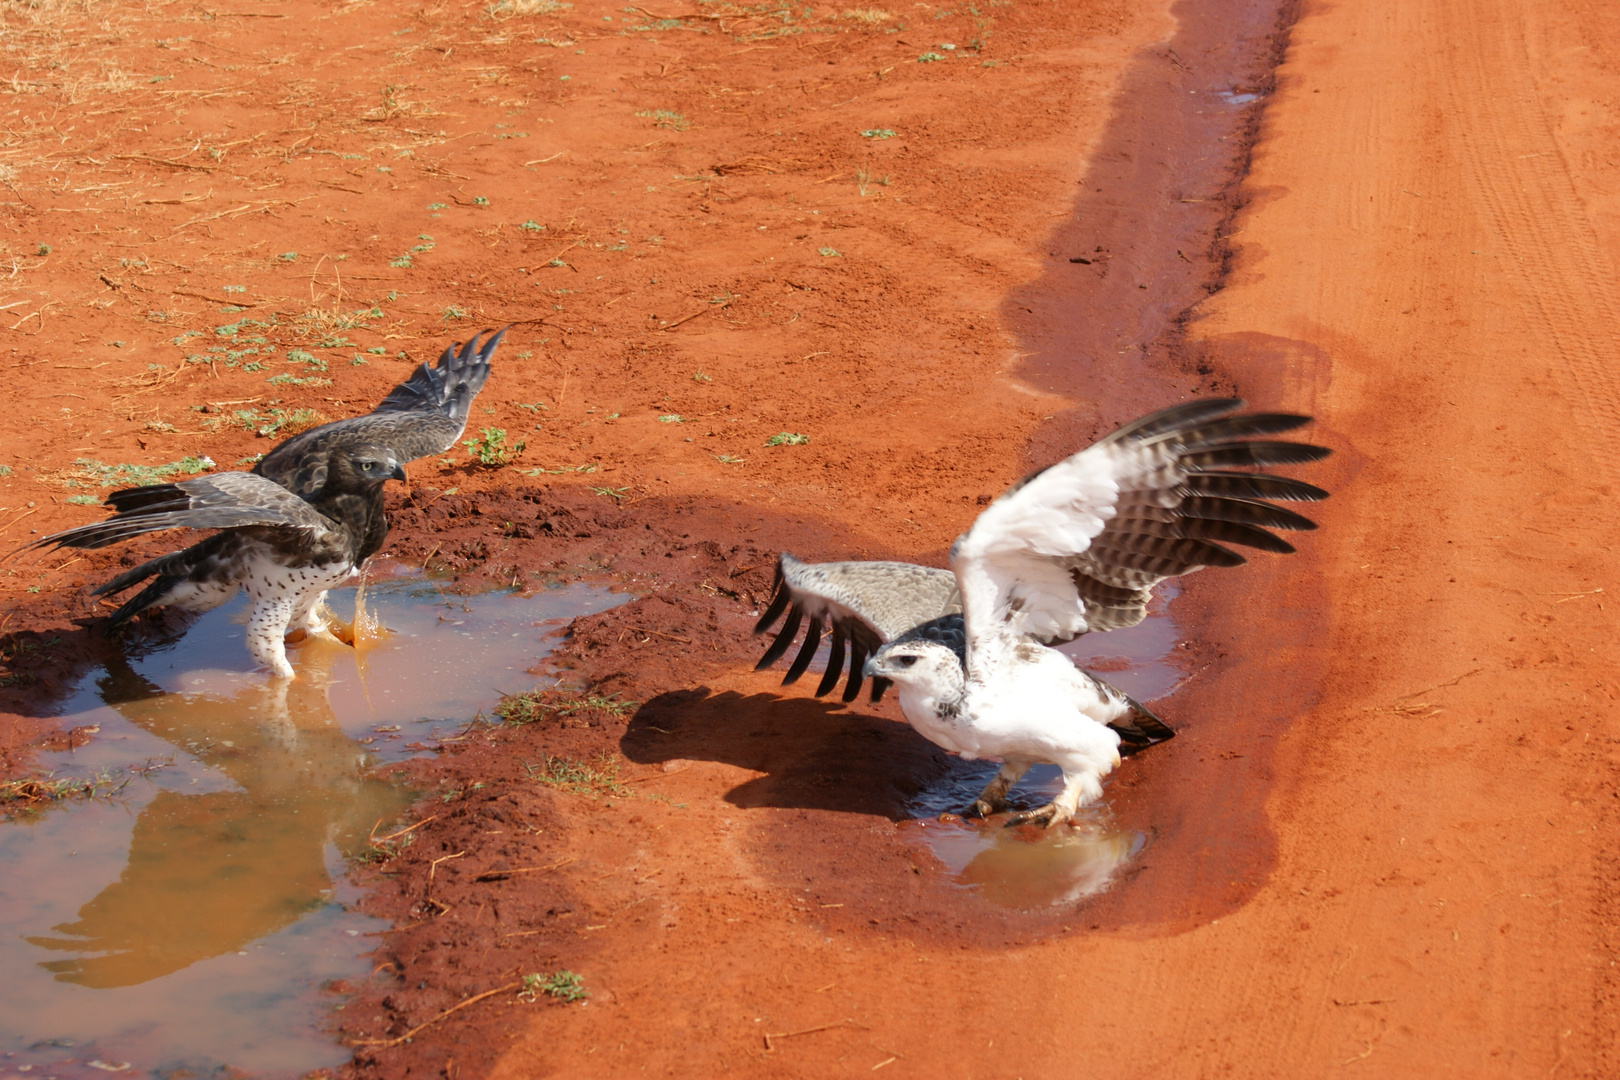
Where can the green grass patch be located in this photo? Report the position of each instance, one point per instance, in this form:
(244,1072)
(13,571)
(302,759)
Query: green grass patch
(520,709)
(663,118)
(492,449)
(35,792)
(287,379)
(140,475)
(563,985)
(592,779)
(275,421)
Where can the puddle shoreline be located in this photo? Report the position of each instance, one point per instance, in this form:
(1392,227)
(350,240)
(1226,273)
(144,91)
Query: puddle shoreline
(191,920)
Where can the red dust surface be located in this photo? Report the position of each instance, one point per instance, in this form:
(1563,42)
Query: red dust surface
(944,243)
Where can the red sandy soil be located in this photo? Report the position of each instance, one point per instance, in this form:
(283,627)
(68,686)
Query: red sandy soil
(1384,843)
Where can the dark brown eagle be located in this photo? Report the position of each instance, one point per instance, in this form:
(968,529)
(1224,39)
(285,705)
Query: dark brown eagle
(301,522)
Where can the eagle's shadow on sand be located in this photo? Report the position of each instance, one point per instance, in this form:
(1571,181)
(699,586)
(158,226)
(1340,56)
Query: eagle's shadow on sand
(819,755)
(53,675)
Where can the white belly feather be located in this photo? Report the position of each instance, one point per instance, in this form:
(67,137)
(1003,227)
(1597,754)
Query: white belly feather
(1026,704)
(283,597)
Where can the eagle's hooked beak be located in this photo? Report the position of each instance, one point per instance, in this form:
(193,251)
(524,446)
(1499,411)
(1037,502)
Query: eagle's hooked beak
(398,473)
(872,669)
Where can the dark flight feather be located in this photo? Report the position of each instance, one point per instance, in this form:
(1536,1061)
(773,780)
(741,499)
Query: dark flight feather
(812,641)
(1252,486)
(423,415)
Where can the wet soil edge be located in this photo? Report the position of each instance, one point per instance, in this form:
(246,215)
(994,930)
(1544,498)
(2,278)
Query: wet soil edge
(1252,634)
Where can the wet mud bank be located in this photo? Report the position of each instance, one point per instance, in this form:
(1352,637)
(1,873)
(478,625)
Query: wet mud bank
(1149,235)
(1151,239)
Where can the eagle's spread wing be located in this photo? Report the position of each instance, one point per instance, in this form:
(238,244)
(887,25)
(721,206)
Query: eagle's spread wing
(423,415)
(864,603)
(219,501)
(1077,546)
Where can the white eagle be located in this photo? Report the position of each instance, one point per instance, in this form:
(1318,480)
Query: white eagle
(1072,549)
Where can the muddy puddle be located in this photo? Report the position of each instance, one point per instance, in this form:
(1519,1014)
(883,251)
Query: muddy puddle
(1030,868)
(189,919)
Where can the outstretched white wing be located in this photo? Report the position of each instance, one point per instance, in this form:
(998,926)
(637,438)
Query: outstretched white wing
(1076,547)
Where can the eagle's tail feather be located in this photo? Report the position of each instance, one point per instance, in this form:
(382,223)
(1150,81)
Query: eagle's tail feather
(131,577)
(1139,728)
(1146,721)
(169,572)
(151,596)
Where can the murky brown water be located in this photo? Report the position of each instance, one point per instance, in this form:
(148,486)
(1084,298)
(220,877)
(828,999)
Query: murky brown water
(1028,867)
(187,924)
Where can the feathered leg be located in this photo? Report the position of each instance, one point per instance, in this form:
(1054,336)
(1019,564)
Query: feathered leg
(267,632)
(310,616)
(1080,785)
(994,795)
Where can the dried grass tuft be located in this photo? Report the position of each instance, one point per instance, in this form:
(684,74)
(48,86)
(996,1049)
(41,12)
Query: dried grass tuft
(511,9)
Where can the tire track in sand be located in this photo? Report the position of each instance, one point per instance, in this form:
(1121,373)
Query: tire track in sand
(1518,172)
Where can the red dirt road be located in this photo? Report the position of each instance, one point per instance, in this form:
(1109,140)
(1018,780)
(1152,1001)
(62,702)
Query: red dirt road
(1435,211)
(1385,842)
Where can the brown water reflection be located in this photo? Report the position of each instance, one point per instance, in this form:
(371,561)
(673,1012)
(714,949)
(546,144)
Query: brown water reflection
(1029,868)
(187,925)
(210,873)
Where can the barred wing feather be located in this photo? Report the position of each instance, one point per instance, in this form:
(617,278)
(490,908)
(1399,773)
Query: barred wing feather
(423,415)
(864,604)
(1077,547)
(219,501)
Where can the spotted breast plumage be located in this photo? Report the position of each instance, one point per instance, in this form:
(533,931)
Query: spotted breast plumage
(1073,549)
(303,521)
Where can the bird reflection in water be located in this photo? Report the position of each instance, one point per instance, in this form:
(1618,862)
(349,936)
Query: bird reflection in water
(1024,868)
(1028,872)
(212,872)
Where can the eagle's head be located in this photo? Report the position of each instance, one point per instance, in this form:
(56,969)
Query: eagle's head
(368,465)
(929,667)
